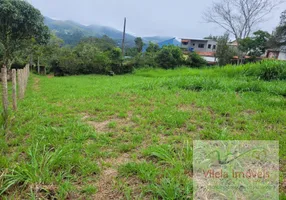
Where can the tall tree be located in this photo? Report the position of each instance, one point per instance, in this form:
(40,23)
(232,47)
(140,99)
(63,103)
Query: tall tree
(45,53)
(278,40)
(256,45)
(224,53)
(239,17)
(19,22)
(139,44)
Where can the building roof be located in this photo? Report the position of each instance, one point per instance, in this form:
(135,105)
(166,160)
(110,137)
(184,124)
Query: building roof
(279,49)
(236,57)
(208,54)
(196,39)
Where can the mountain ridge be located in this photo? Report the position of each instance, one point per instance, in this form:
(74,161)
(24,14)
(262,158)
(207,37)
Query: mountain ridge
(72,32)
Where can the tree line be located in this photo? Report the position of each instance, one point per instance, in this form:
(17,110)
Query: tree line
(25,38)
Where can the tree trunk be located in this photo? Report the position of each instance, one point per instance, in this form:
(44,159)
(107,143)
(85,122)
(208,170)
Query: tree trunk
(239,56)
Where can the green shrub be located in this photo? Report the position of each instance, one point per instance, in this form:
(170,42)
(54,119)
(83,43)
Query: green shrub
(144,60)
(195,60)
(169,57)
(116,62)
(88,58)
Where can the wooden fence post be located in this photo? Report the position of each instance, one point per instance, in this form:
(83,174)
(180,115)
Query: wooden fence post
(23,82)
(24,78)
(38,64)
(4,92)
(14,89)
(20,84)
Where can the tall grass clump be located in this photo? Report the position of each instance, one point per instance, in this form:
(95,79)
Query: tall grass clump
(180,157)
(267,70)
(40,169)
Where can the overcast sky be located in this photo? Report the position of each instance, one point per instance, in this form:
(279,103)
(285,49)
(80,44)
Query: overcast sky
(178,18)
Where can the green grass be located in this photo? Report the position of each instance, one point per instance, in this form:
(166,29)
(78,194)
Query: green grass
(70,132)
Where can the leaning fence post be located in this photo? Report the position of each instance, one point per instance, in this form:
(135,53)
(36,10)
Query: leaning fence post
(14,89)
(4,92)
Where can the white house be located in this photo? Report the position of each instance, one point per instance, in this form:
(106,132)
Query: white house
(206,48)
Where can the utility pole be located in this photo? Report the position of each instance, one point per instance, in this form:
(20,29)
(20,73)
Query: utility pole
(123,39)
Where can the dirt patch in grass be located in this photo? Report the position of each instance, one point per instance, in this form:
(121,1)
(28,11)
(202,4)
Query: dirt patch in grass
(100,126)
(135,185)
(36,84)
(45,191)
(123,158)
(113,122)
(188,107)
(192,107)
(106,184)
(249,112)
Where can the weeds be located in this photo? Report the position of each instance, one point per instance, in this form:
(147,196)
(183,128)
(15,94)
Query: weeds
(51,150)
(39,169)
(166,154)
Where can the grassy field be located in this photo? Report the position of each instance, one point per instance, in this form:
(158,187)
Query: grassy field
(130,137)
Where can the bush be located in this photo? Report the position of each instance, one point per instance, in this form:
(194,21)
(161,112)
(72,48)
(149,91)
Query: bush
(144,60)
(169,57)
(267,70)
(88,59)
(195,60)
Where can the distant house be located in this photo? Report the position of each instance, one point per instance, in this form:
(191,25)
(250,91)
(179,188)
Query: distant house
(209,57)
(199,45)
(279,54)
(233,44)
(173,41)
(206,48)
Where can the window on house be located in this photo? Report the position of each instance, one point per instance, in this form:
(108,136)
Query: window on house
(214,47)
(209,46)
(185,43)
(201,46)
(194,44)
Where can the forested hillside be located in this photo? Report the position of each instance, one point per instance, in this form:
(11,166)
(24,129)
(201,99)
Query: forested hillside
(72,32)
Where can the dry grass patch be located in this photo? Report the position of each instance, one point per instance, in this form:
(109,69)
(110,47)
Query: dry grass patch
(36,84)
(107,180)
(113,122)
